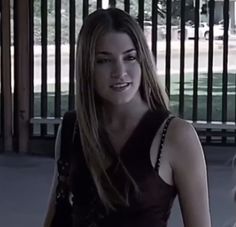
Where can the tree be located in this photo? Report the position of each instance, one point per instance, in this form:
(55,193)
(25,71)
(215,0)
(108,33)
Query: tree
(176,8)
(147,6)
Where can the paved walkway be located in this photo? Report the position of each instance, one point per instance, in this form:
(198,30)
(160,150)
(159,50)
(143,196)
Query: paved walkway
(25,183)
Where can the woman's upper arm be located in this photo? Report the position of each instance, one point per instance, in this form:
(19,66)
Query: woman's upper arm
(52,194)
(57,156)
(58,144)
(190,175)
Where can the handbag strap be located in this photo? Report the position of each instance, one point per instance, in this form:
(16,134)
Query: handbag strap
(67,131)
(63,163)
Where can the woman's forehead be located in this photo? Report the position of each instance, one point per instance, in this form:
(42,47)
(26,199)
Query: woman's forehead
(114,41)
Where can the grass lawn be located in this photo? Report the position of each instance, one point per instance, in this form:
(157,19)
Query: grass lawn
(202,96)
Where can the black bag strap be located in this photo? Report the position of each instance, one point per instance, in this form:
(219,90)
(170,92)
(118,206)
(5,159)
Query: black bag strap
(163,136)
(67,131)
(63,163)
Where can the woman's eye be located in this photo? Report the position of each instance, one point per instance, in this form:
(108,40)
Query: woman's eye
(130,58)
(103,60)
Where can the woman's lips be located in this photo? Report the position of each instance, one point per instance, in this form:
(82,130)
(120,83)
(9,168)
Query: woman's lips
(120,86)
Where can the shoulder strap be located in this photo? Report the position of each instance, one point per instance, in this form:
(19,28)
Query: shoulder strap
(163,136)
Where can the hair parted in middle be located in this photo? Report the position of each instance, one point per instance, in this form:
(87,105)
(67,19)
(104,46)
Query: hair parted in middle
(89,110)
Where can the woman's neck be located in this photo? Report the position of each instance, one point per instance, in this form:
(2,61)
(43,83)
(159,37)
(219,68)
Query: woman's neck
(125,115)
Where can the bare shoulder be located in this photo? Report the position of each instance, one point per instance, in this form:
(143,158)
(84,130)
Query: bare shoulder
(189,173)
(181,133)
(184,143)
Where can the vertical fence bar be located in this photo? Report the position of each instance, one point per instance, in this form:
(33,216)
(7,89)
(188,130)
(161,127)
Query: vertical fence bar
(85,8)
(23,86)
(57,60)
(127,6)
(16,76)
(1,95)
(182,60)
(44,23)
(195,61)
(112,3)
(72,55)
(154,28)
(31,60)
(6,76)
(99,4)
(210,65)
(225,65)
(168,45)
(141,13)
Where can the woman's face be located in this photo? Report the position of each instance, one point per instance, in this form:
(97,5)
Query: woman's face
(117,70)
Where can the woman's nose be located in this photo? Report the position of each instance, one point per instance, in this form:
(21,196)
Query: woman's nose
(118,69)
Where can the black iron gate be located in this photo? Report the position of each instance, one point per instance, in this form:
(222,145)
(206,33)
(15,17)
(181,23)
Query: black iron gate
(45,65)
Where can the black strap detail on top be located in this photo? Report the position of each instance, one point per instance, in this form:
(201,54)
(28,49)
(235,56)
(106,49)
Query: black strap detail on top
(163,136)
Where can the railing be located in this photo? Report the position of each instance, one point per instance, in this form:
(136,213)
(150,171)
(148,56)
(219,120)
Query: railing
(199,91)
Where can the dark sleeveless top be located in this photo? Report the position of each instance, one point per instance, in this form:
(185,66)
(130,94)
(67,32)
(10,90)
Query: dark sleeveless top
(148,208)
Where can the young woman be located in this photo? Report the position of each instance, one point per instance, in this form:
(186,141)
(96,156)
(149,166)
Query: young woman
(130,157)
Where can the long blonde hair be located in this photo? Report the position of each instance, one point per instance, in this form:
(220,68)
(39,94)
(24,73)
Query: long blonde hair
(88,109)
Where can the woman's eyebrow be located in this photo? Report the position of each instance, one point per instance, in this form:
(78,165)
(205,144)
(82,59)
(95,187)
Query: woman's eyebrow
(108,53)
(129,50)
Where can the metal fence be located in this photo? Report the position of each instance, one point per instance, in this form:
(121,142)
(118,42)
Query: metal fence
(37,64)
